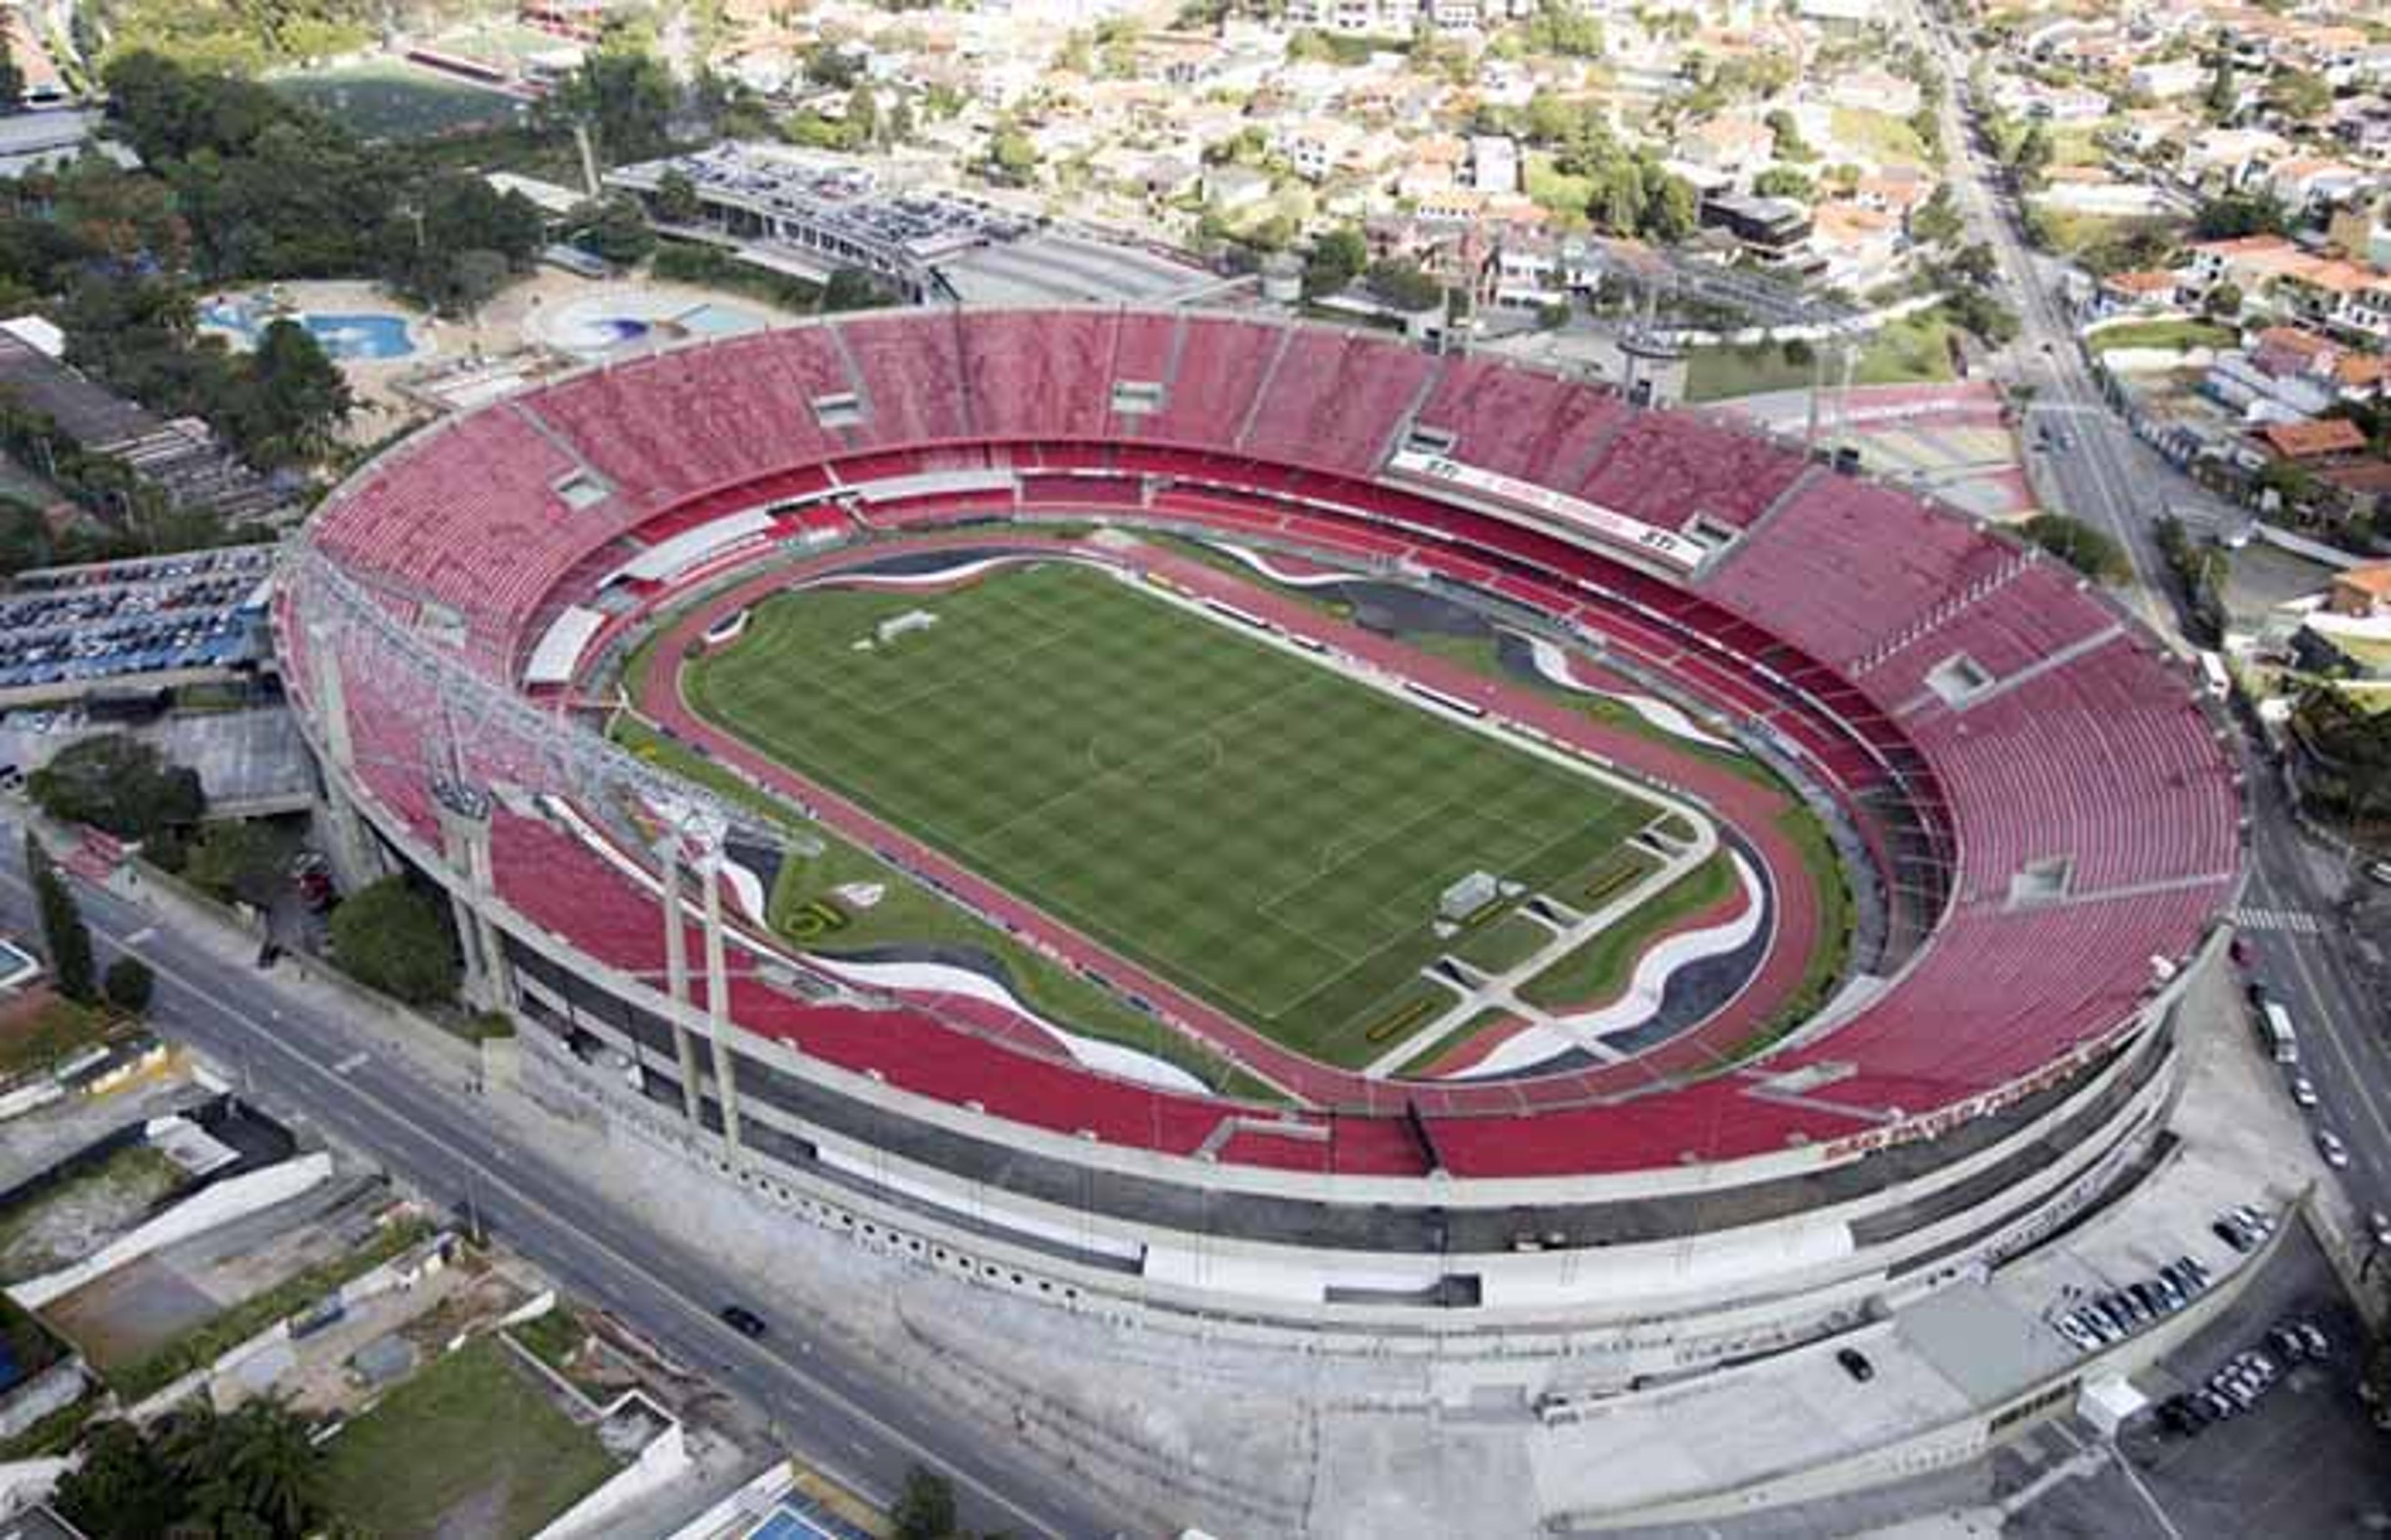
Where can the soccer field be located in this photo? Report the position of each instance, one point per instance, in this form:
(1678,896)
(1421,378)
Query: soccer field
(1262,831)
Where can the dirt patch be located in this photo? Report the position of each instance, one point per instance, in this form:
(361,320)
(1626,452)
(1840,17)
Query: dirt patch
(66,1224)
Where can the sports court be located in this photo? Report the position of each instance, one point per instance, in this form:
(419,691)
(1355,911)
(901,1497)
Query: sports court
(1259,828)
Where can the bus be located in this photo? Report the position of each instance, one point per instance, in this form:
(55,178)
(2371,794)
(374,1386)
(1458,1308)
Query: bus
(2282,1041)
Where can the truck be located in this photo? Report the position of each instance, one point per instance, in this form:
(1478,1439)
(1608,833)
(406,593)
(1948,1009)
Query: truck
(2275,1026)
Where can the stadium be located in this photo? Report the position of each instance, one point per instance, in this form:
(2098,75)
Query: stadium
(1203,818)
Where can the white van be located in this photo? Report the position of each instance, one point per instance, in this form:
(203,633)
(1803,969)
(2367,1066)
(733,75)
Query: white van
(2282,1041)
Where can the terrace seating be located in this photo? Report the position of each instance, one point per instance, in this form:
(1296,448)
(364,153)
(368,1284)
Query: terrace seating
(1665,469)
(1516,421)
(1030,372)
(912,376)
(1822,627)
(1334,400)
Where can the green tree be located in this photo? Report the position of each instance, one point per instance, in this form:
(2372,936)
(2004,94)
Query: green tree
(2299,95)
(1012,156)
(2224,302)
(24,538)
(624,95)
(924,1509)
(1783,181)
(123,1489)
(2077,544)
(1402,284)
(12,82)
(1789,145)
(677,200)
(1336,258)
(237,861)
(292,402)
(127,986)
(614,229)
(2237,214)
(853,288)
(391,937)
(117,783)
(1936,221)
(2223,93)
(65,937)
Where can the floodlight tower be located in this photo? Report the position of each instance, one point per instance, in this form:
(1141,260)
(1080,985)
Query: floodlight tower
(695,838)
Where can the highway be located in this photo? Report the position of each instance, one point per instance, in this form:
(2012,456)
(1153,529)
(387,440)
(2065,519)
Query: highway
(2299,942)
(833,1406)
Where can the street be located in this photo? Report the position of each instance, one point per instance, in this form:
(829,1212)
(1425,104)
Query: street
(832,1406)
(2299,943)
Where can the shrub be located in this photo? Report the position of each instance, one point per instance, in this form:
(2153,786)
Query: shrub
(393,938)
(128,985)
(119,784)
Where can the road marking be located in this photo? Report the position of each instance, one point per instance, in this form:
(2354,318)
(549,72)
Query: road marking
(401,1132)
(2300,922)
(349,1065)
(146,933)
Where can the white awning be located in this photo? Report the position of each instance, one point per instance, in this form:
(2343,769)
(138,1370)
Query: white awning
(688,548)
(554,661)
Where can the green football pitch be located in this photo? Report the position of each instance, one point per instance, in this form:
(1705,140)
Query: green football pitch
(1264,832)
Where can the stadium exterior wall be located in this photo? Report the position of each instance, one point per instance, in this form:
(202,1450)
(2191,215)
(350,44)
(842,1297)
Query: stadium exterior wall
(1624,1313)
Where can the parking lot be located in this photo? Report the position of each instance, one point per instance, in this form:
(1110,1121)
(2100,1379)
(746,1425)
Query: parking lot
(2303,1460)
(136,617)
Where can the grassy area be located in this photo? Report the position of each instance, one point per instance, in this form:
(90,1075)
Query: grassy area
(910,913)
(1265,832)
(1603,965)
(1556,190)
(1879,137)
(2171,334)
(228,1328)
(51,1035)
(49,1229)
(1419,1062)
(1914,351)
(467,1439)
(389,99)
(1501,943)
(710,267)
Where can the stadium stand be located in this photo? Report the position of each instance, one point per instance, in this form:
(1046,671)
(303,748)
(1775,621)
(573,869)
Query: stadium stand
(1823,623)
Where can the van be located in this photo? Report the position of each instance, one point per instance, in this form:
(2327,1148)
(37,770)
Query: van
(2275,1023)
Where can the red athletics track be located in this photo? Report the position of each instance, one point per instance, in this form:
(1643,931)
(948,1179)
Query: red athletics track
(1751,809)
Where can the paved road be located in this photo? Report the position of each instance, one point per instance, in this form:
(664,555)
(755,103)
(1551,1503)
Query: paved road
(2105,474)
(2299,942)
(829,1402)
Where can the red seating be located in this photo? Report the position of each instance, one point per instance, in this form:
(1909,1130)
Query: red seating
(2086,754)
(1335,401)
(1518,422)
(1664,469)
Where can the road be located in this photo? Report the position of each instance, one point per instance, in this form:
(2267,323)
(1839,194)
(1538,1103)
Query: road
(2298,942)
(828,1401)
(2104,474)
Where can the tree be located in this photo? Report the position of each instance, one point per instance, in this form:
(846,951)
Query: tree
(624,95)
(24,538)
(237,861)
(614,229)
(12,82)
(2234,215)
(249,1474)
(1402,285)
(2031,155)
(2224,302)
(853,288)
(1336,258)
(1783,181)
(1011,156)
(677,200)
(1937,222)
(292,402)
(64,935)
(1562,28)
(119,784)
(393,938)
(2077,544)
(1791,145)
(924,1509)
(862,119)
(2223,94)
(127,986)
(2299,95)
(123,1490)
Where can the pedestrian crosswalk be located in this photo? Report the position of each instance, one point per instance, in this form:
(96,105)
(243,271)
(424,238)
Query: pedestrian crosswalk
(2297,921)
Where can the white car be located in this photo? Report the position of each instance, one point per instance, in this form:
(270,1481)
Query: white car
(2378,1224)
(2336,1154)
(2303,1092)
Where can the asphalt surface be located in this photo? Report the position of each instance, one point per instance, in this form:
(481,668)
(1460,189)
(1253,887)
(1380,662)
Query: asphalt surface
(2300,940)
(831,1404)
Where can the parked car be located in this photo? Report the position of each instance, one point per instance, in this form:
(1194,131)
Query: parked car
(2336,1154)
(1855,1364)
(743,1321)
(2303,1091)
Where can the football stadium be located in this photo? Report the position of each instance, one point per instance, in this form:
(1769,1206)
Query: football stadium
(1201,818)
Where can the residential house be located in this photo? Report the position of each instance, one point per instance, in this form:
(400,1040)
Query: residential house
(2306,184)
(2141,292)
(2166,79)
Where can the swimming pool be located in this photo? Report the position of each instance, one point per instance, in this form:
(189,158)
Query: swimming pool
(367,333)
